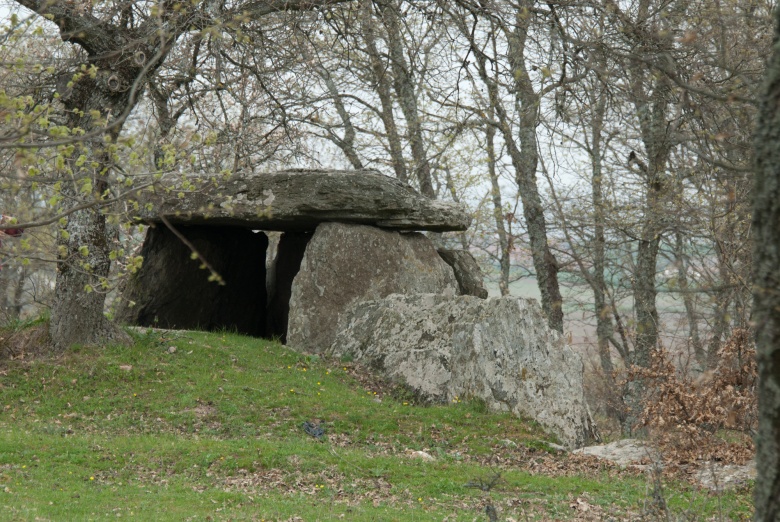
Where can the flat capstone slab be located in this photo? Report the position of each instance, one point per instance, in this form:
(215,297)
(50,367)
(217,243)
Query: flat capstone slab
(299,200)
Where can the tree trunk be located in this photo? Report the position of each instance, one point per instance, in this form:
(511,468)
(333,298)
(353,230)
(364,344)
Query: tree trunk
(498,209)
(725,235)
(5,283)
(766,291)
(77,314)
(525,159)
(602,309)
(346,143)
(382,86)
(17,302)
(403,82)
(83,262)
(690,307)
(524,156)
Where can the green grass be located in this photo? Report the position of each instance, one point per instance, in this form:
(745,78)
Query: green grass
(213,431)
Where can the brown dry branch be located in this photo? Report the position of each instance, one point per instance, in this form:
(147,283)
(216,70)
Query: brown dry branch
(708,418)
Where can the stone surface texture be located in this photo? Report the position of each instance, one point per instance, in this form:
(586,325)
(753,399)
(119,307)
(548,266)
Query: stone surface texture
(499,350)
(301,199)
(467,272)
(172,291)
(623,452)
(640,454)
(347,264)
(286,263)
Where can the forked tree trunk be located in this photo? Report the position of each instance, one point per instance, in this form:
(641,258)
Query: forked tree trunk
(403,82)
(382,78)
(766,291)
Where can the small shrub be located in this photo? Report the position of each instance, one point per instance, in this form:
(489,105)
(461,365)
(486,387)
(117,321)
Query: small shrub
(687,415)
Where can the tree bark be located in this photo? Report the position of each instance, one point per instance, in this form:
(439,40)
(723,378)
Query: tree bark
(604,328)
(83,262)
(498,208)
(651,95)
(690,307)
(382,79)
(403,82)
(525,159)
(766,290)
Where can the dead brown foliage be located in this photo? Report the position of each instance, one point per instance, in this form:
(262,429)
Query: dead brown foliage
(689,417)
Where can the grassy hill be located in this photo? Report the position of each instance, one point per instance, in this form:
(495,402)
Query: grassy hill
(197,426)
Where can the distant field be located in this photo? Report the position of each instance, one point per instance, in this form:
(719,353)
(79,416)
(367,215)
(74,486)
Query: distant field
(579,319)
(195,426)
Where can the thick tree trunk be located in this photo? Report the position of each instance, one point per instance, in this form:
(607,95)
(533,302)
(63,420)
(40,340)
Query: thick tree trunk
(77,314)
(766,291)
(83,262)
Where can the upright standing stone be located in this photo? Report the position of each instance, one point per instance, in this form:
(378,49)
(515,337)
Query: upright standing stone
(345,264)
(467,272)
(172,291)
(292,246)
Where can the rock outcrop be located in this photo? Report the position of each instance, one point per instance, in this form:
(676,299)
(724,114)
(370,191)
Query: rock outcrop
(172,291)
(499,350)
(301,199)
(347,264)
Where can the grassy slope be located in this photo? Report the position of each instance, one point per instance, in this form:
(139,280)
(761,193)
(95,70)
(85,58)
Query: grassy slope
(213,432)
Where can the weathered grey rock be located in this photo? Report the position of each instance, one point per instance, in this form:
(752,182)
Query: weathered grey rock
(499,350)
(625,452)
(467,272)
(715,476)
(719,477)
(286,264)
(301,199)
(172,291)
(344,264)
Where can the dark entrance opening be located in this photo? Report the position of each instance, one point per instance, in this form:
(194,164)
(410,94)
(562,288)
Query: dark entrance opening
(174,290)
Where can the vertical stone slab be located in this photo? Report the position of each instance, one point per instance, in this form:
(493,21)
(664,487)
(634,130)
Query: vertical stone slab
(172,291)
(286,264)
(467,272)
(345,264)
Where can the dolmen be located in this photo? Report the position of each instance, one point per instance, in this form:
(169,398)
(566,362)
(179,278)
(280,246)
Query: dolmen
(347,272)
